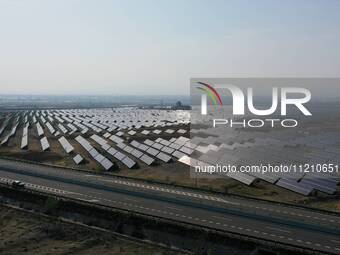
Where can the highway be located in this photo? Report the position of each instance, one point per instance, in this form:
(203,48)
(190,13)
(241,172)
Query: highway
(274,222)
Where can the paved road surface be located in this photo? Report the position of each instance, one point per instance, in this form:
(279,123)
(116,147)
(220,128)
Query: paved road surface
(274,222)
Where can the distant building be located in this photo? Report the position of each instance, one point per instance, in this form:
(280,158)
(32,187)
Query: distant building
(180,106)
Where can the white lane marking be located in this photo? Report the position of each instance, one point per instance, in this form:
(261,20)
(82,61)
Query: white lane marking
(173,208)
(278,229)
(89,200)
(38,187)
(211,198)
(222,218)
(97,193)
(292,213)
(130,199)
(178,192)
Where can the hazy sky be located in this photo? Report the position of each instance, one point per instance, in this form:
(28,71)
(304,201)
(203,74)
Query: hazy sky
(155,47)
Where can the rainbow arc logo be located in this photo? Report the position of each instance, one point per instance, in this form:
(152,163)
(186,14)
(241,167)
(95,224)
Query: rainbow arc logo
(214,96)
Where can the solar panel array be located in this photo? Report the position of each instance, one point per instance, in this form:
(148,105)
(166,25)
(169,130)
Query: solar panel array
(66,145)
(103,161)
(12,132)
(132,136)
(24,141)
(44,144)
(39,129)
(122,157)
(78,159)
(276,147)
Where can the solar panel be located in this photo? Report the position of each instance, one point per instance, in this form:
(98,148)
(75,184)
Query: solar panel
(266,177)
(136,153)
(320,185)
(128,149)
(295,186)
(44,144)
(50,128)
(132,132)
(98,139)
(178,154)
(186,150)
(99,158)
(181,140)
(106,147)
(157,146)
(112,151)
(181,131)
(39,129)
(121,145)
(192,145)
(42,119)
(146,159)
(62,128)
(167,150)
(3,127)
(120,133)
(186,160)
(86,145)
(152,151)
(162,156)
(119,156)
(24,142)
(78,159)
(107,164)
(135,144)
(202,149)
(148,142)
(143,147)
(175,146)
(164,142)
(107,135)
(65,144)
(241,177)
(112,129)
(116,139)
(169,131)
(93,152)
(128,162)
(72,127)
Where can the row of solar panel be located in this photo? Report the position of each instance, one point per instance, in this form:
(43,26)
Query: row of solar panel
(104,162)
(124,159)
(11,133)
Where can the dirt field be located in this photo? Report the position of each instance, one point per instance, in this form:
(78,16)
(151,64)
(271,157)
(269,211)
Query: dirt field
(25,233)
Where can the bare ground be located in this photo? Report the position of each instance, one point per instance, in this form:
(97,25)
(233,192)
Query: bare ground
(26,233)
